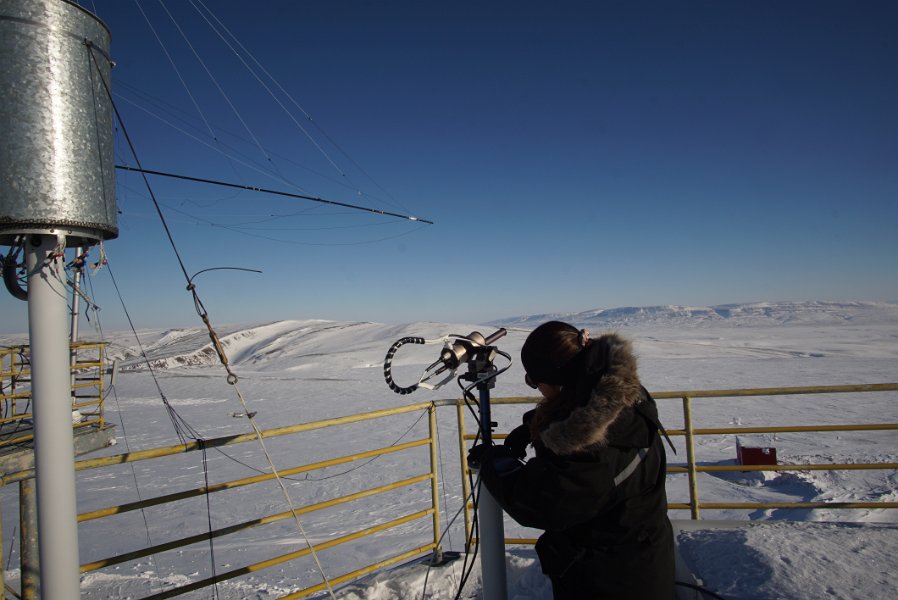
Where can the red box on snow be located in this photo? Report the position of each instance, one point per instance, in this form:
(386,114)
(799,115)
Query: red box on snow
(747,455)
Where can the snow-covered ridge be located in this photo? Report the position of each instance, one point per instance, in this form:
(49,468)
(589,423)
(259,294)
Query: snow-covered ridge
(307,345)
(306,370)
(737,315)
(313,346)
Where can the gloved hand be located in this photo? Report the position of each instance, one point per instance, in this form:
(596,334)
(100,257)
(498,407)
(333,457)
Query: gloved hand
(476,454)
(517,441)
(492,461)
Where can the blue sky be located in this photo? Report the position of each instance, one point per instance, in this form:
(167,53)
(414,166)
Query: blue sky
(572,155)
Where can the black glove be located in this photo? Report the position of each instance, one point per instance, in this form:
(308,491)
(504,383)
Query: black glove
(475,455)
(517,441)
(519,438)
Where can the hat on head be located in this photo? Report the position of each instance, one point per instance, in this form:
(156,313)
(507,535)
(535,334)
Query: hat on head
(548,349)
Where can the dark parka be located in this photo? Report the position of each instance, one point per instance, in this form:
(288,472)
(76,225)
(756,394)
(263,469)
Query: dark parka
(596,484)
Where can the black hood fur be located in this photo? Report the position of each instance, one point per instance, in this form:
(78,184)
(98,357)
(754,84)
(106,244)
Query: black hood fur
(601,385)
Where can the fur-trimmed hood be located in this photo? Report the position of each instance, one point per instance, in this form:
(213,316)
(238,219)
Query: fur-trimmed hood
(602,385)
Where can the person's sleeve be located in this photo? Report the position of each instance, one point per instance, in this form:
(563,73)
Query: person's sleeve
(542,495)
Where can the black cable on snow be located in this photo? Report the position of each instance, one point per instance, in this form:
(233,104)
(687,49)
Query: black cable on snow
(700,589)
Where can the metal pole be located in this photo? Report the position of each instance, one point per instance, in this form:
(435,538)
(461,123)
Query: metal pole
(491,521)
(28,549)
(54,453)
(463,454)
(434,484)
(2,564)
(690,458)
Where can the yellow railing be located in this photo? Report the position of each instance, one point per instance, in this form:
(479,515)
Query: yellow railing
(87,370)
(693,466)
(170,499)
(429,507)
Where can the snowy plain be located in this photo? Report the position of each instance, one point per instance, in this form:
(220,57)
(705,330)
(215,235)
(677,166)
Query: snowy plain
(301,371)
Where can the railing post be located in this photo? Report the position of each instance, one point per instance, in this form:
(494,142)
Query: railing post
(2,564)
(463,461)
(434,486)
(29,556)
(690,457)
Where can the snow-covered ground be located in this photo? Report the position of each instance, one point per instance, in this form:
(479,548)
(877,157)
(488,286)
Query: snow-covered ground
(299,371)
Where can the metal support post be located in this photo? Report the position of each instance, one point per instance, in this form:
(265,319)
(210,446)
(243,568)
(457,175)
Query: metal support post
(2,564)
(437,555)
(491,520)
(690,458)
(54,453)
(463,454)
(28,550)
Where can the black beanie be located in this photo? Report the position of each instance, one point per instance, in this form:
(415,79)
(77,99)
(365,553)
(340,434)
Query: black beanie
(542,364)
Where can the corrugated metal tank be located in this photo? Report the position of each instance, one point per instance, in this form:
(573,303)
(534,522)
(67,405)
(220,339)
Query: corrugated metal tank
(56,153)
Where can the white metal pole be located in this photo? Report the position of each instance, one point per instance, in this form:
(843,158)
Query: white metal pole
(492,542)
(54,453)
(490,520)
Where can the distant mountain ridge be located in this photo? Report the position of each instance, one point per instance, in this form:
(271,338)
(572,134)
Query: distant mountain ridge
(756,314)
(313,345)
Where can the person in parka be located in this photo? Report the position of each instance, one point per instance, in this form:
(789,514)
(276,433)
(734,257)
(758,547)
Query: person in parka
(596,485)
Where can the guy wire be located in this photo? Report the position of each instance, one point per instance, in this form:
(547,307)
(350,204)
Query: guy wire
(475,532)
(176,419)
(245,160)
(271,93)
(364,464)
(444,534)
(202,444)
(232,378)
(146,172)
(121,122)
(442,474)
(200,60)
(174,66)
(304,112)
(99,327)
(218,86)
(172,111)
(11,546)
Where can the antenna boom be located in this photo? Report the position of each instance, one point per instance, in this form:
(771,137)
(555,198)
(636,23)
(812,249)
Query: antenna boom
(275,192)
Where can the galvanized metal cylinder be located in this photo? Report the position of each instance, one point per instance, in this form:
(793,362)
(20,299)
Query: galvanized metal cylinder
(56,156)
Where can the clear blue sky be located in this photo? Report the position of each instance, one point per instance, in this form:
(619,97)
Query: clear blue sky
(573,155)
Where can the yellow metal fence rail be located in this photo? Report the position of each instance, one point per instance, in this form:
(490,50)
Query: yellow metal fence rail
(87,371)
(428,477)
(417,547)
(693,468)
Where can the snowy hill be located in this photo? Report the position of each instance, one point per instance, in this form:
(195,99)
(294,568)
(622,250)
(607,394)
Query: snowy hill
(302,370)
(736,315)
(306,347)
(291,346)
